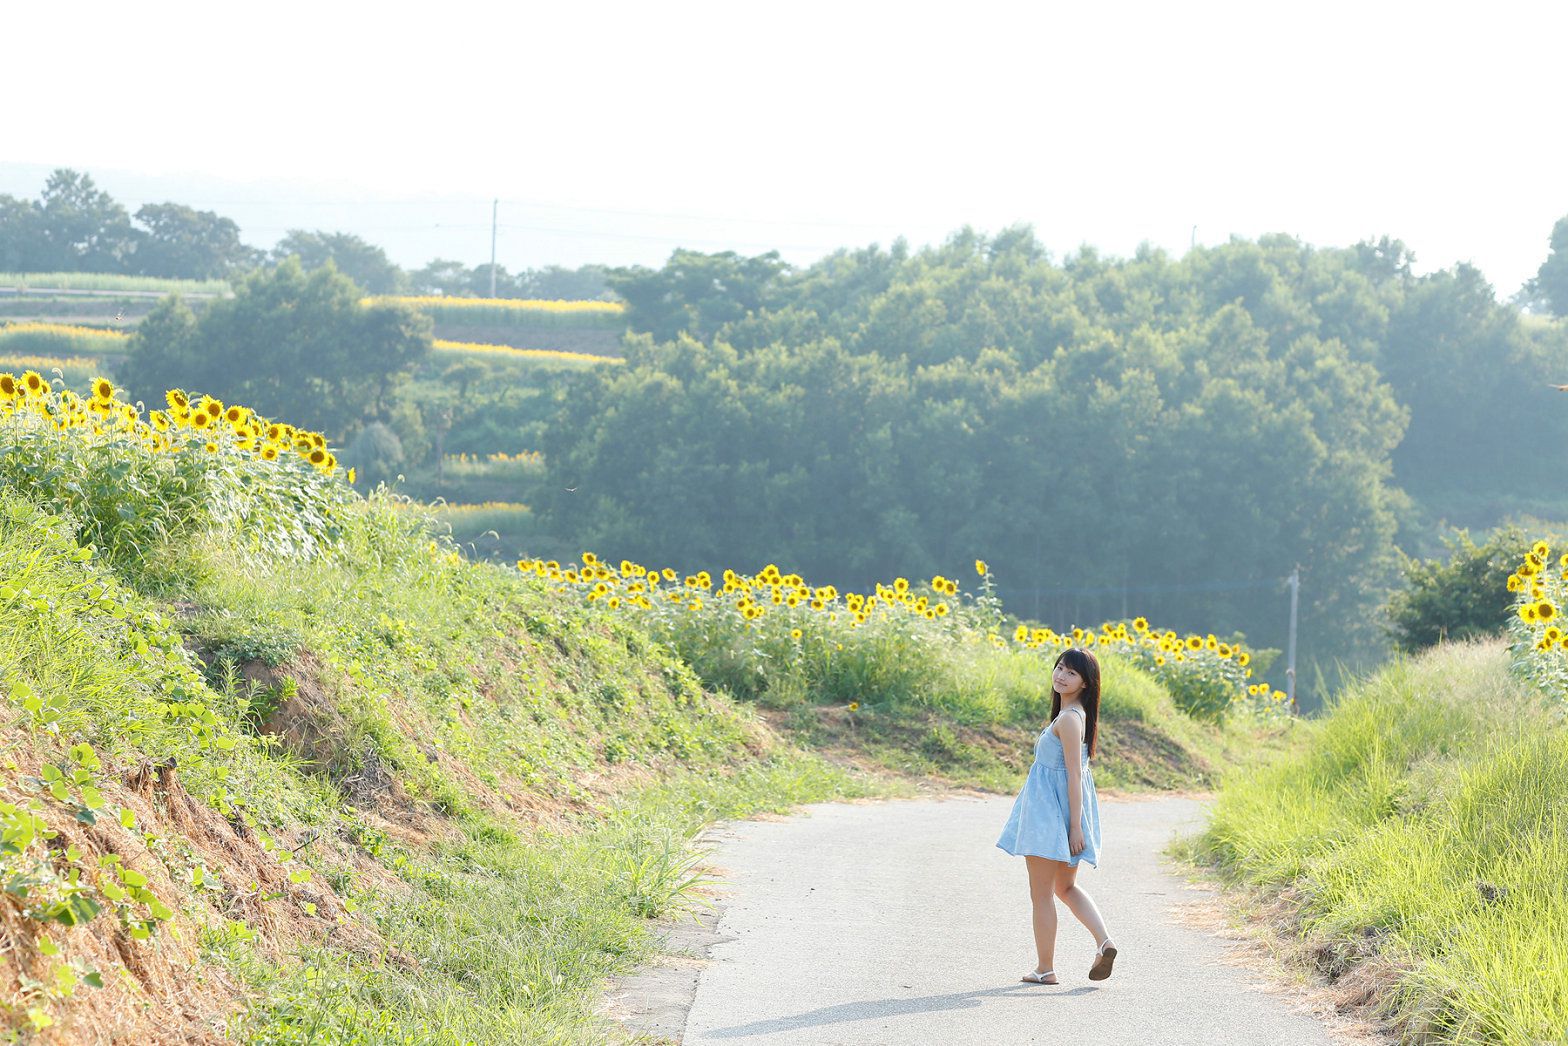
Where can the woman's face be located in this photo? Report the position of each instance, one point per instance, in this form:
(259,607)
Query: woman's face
(1066,681)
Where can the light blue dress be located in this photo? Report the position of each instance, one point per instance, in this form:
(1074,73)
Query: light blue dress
(1038,822)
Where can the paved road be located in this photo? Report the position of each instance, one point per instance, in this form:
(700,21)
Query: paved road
(901,922)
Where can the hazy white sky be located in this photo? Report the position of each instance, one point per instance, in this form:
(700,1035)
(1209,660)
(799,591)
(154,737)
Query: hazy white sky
(615,131)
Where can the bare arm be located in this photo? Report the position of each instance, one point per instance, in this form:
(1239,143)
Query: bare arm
(1070,729)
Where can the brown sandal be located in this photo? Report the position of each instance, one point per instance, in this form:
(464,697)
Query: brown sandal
(1104,956)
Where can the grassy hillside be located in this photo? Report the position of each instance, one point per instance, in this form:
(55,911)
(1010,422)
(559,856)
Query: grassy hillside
(1417,845)
(279,766)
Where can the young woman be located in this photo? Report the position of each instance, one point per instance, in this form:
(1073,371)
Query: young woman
(1055,822)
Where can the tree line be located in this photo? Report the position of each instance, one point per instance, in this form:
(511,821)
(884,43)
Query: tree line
(1142,435)
(74,226)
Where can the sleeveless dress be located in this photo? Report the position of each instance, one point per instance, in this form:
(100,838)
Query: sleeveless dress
(1038,822)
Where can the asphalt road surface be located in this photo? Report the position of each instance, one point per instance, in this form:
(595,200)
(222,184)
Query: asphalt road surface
(902,922)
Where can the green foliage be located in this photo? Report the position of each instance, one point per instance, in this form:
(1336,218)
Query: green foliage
(290,345)
(76,227)
(182,242)
(695,293)
(551,283)
(137,505)
(73,226)
(364,263)
(1256,404)
(1550,283)
(1422,822)
(1463,598)
(116,673)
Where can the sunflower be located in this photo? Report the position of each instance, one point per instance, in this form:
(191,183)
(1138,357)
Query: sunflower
(1528,613)
(33,383)
(795,633)
(103,389)
(318,457)
(269,453)
(980,567)
(1545,611)
(1194,642)
(177,399)
(1243,658)
(200,420)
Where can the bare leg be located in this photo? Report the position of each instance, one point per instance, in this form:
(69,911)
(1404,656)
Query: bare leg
(1042,877)
(1078,900)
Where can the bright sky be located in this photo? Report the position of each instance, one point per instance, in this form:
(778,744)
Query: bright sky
(615,131)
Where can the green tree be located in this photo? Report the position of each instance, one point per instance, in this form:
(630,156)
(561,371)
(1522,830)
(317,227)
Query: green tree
(20,239)
(1465,597)
(292,345)
(184,243)
(1550,284)
(694,292)
(364,263)
(80,228)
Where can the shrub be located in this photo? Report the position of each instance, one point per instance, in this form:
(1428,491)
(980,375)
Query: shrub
(1464,598)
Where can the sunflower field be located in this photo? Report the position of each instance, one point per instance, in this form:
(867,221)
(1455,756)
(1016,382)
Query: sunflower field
(773,636)
(131,482)
(516,312)
(58,339)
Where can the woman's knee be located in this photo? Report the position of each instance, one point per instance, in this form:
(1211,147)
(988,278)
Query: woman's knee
(1065,882)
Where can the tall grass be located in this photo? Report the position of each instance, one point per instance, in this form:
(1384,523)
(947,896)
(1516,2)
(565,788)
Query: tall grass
(1426,816)
(34,282)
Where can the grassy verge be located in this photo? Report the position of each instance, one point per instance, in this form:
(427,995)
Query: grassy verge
(1416,845)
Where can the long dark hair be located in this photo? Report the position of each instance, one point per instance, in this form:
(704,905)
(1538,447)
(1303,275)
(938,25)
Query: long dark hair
(1088,666)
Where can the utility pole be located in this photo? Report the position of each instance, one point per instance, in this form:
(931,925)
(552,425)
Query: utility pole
(1290,656)
(494,206)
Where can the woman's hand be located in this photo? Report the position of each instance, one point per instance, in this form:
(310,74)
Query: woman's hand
(1075,841)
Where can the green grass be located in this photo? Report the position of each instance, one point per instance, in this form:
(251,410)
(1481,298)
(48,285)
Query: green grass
(96,281)
(1424,814)
(515,933)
